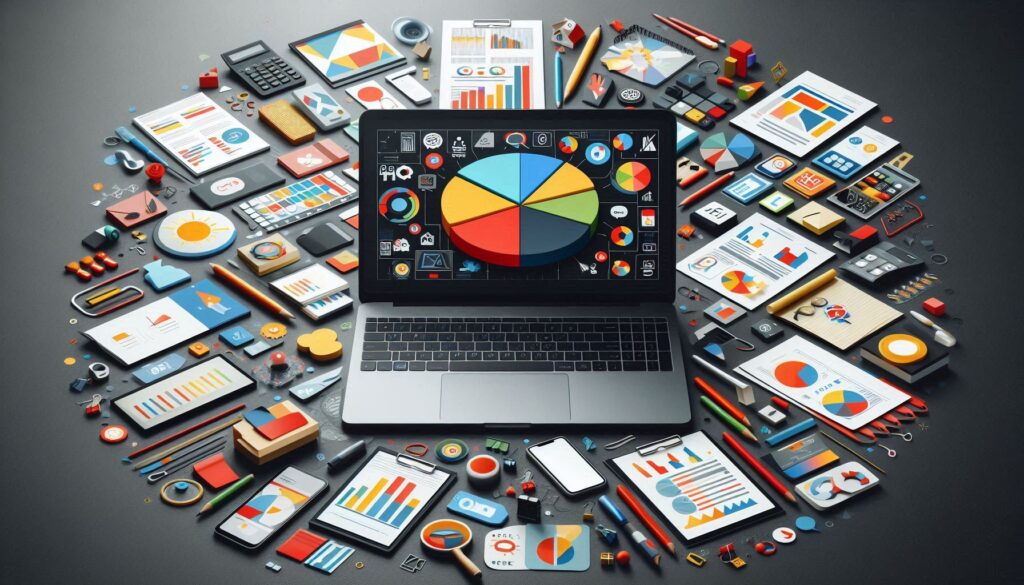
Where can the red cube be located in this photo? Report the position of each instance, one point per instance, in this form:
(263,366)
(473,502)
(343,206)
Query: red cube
(741,51)
(209,80)
(935,307)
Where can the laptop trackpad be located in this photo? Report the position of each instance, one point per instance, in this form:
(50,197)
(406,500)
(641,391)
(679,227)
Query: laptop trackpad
(505,398)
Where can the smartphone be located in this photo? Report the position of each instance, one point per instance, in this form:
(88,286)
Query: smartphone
(271,508)
(570,471)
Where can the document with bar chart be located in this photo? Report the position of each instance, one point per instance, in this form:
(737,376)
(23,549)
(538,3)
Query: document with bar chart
(492,67)
(384,498)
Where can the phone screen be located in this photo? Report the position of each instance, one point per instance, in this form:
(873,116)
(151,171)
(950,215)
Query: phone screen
(272,507)
(565,464)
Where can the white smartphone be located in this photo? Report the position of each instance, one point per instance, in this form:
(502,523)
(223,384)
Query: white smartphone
(570,471)
(271,508)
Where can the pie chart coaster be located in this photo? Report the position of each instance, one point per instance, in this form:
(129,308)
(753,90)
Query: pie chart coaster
(845,403)
(195,233)
(901,348)
(726,153)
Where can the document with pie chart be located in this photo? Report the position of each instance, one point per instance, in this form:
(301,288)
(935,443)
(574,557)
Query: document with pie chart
(538,547)
(826,384)
(754,261)
(520,210)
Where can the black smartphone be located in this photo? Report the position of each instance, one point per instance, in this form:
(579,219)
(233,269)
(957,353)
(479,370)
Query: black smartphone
(275,504)
(570,471)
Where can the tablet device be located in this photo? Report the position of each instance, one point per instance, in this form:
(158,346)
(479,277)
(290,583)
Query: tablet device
(184,392)
(384,499)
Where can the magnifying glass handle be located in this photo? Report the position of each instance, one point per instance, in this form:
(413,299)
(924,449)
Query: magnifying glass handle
(467,565)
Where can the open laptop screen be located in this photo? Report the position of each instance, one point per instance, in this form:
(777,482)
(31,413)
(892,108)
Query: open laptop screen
(528,207)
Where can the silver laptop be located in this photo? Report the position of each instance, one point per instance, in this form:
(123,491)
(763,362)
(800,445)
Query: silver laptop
(516,270)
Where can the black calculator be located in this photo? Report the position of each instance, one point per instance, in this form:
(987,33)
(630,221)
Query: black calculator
(263,70)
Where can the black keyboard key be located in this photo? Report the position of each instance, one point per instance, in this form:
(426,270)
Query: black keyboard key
(406,356)
(652,366)
(375,346)
(506,356)
(383,366)
(426,356)
(582,366)
(368,366)
(376,355)
(665,361)
(474,355)
(490,355)
(614,366)
(417,366)
(522,356)
(437,366)
(599,366)
(401,366)
(373,336)
(517,366)
(634,366)
(438,356)
(538,356)
(457,355)
(563,366)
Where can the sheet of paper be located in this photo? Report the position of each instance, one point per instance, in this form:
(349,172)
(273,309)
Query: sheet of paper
(754,261)
(847,316)
(200,135)
(695,487)
(803,114)
(826,384)
(492,68)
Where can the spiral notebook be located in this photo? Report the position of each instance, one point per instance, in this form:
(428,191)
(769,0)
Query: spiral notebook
(645,56)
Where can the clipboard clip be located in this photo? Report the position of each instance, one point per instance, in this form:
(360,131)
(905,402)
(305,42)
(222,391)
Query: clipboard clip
(414,463)
(659,445)
(492,23)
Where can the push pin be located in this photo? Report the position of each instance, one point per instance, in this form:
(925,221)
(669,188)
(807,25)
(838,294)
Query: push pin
(527,484)
(92,406)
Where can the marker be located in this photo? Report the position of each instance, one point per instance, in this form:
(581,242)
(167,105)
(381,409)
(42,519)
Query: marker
(226,494)
(791,431)
(707,189)
(558,79)
(633,504)
(638,537)
(728,419)
(760,469)
(347,455)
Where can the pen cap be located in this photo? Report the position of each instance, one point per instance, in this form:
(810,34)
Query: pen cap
(347,455)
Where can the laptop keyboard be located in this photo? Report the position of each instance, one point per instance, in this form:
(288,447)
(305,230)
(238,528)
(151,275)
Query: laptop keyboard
(510,344)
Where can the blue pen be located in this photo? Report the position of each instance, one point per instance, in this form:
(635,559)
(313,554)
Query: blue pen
(558,79)
(125,135)
(790,431)
(638,537)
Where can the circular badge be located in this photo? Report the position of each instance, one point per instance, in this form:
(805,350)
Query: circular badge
(195,233)
(227,186)
(568,144)
(631,96)
(784,535)
(433,161)
(900,348)
(267,251)
(482,468)
(432,140)
(113,434)
(451,451)
(401,270)
(598,153)
(235,135)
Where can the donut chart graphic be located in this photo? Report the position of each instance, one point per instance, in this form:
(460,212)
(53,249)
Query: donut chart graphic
(559,549)
(796,374)
(568,144)
(398,205)
(622,236)
(622,142)
(631,177)
(741,283)
(844,403)
(519,210)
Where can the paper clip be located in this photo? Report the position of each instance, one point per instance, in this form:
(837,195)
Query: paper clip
(616,444)
(908,437)
(107,295)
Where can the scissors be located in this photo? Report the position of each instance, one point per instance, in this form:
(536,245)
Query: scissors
(308,390)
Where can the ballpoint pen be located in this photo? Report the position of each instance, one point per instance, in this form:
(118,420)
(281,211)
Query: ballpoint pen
(638,537)
(558,79)
(127,136)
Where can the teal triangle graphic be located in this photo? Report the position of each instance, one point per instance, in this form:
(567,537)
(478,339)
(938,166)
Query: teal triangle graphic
(498,174)
(534,169)
(325,44)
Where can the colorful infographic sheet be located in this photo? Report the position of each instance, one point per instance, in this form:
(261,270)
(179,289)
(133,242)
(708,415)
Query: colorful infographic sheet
(803,114)
(200,134)
(694,486)
(826,384)
(492,67)
(164,323)
(538,547)
(754,261)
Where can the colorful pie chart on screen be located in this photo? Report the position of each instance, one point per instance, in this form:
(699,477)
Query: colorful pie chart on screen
(568,144)
(622,236)
(631,177)
(725,153)
(796,374)
(622,142)
(398,205)
(620,268)
(741,283)
(844,403)
(519,210)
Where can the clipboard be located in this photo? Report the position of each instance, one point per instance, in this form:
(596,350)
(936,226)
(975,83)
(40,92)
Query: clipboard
(698,457)
(375,503)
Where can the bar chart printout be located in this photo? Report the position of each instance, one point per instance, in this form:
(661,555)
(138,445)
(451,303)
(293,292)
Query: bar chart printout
(492,68)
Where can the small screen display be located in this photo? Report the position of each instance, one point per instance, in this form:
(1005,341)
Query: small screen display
(246,53)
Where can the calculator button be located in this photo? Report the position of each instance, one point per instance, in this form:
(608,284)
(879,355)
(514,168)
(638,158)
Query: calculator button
(888,267)
(870,257)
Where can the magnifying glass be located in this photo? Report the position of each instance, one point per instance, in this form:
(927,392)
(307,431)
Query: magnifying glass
(448,535)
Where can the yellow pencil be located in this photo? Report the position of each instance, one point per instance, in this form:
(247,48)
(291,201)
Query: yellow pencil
(582,64)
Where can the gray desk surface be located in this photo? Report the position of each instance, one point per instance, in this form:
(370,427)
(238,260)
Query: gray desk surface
(949,509)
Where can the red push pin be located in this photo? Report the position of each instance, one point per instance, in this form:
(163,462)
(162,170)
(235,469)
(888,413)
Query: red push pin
(155,172)
(278,360)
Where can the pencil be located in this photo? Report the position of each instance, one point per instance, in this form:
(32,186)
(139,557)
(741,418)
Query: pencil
(250,291)
(186,443)
(184,432)
(728,419)
(699,39)
(224,495)
(760,469)
(707,189)
(635,535)
(583,63)
(854,453)
(721,400)
(633,504)
(558,79)
(694,29)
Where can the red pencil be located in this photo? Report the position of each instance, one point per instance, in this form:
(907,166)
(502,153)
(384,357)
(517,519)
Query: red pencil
(721,400)
(760,469)
(696,30)
(184,432)
(633,504)
(707,189)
